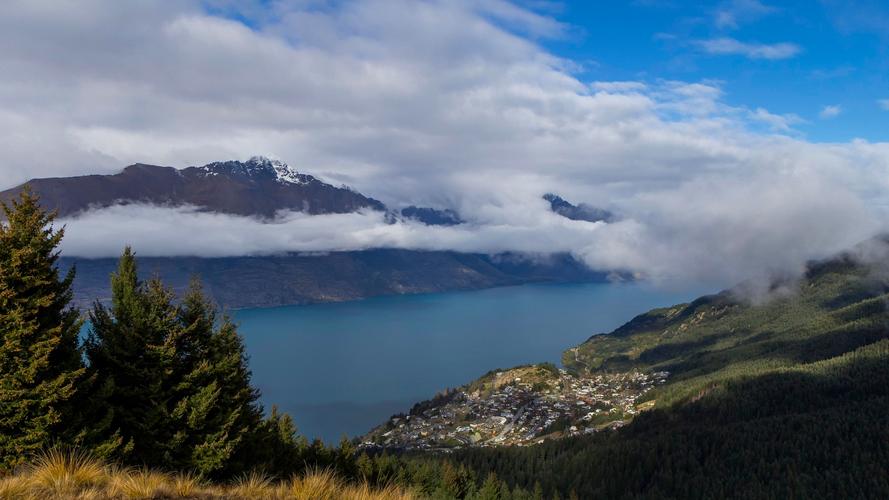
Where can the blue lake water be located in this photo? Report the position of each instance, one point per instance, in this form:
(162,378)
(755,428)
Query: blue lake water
(340,369)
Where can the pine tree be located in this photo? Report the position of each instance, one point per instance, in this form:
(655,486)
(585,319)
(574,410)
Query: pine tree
(491,489)
(214,410)
(276,449)
(538,491)
(131,361)
(40,362)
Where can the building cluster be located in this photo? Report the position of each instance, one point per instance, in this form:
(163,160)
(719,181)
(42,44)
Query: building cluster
(516,411)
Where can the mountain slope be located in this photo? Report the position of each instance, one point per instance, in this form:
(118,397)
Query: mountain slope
(779,399)
(432,216)
(258,187)
(583,212)
(300,279)
(839,306)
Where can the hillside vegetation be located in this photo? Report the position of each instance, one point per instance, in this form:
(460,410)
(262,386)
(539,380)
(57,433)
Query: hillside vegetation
(71,475)
(839,306)
(785,398)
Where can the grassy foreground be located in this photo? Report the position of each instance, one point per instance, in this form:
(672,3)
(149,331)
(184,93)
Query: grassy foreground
(73,475)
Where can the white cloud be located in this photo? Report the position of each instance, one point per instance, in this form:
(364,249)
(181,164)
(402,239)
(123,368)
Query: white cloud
(830,111)
(884,103)
(731,14)
(443,103)
(618,87)
(777,122)
(731,46)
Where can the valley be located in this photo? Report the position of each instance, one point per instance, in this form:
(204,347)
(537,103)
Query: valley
(390,352)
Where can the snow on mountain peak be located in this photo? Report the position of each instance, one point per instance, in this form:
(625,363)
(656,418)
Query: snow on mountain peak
(283,173)
(258,166)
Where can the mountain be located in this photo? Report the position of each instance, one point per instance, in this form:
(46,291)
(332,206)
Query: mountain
(432,216)
(239,282)
(582,212)
(258,187)
(784,396)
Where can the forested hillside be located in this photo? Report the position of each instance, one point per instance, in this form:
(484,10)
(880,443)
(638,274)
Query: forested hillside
(782,398)
(276,280)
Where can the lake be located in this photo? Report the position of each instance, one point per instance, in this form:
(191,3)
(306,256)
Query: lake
(340,369)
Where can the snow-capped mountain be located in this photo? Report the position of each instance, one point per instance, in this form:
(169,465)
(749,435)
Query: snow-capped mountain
(257,167)
(257,187)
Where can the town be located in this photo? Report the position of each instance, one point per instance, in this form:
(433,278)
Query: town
(520,406)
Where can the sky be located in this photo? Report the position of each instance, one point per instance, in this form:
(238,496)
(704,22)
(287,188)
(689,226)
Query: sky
(734,138)
(822,64)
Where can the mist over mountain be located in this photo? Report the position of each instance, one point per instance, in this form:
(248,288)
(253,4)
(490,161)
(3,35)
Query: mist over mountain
(222,196)
(582,211)
(257,187)
(432,216)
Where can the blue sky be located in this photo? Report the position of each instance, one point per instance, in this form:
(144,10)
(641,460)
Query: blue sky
(840,58)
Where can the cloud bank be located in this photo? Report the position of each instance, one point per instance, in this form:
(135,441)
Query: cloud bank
(437,103)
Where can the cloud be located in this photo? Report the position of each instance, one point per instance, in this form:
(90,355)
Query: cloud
(731,46)
(618,87)
(884,103)
(859,16)
(780,123)
(731,14)
(718,230)
(443,103)
(830,111)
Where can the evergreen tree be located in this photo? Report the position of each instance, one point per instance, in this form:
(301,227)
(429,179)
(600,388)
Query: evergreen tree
(40,363)
(214,408)
(538,491)
(491,489)
(276,450)
(174,386)
(131,362)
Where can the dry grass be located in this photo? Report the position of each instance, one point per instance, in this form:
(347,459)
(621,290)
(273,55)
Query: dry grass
(64,474)
(253,485)
(140,484)
(317,485)
(60,474)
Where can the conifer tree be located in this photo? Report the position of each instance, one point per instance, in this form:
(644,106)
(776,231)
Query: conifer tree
(276,449)
(214,411)
(40,363)
(172,386)
(491,489)
(131,362)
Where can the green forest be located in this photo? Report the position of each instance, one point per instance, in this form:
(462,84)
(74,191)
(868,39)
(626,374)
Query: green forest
(777,397)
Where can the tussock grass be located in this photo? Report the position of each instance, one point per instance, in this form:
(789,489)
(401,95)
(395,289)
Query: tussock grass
(254,485)
(60,473)
(317,485)
(66,474)
(141,484)
(14,488)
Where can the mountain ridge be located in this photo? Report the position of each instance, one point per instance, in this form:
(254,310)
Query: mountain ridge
(258,187)
(270,281)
